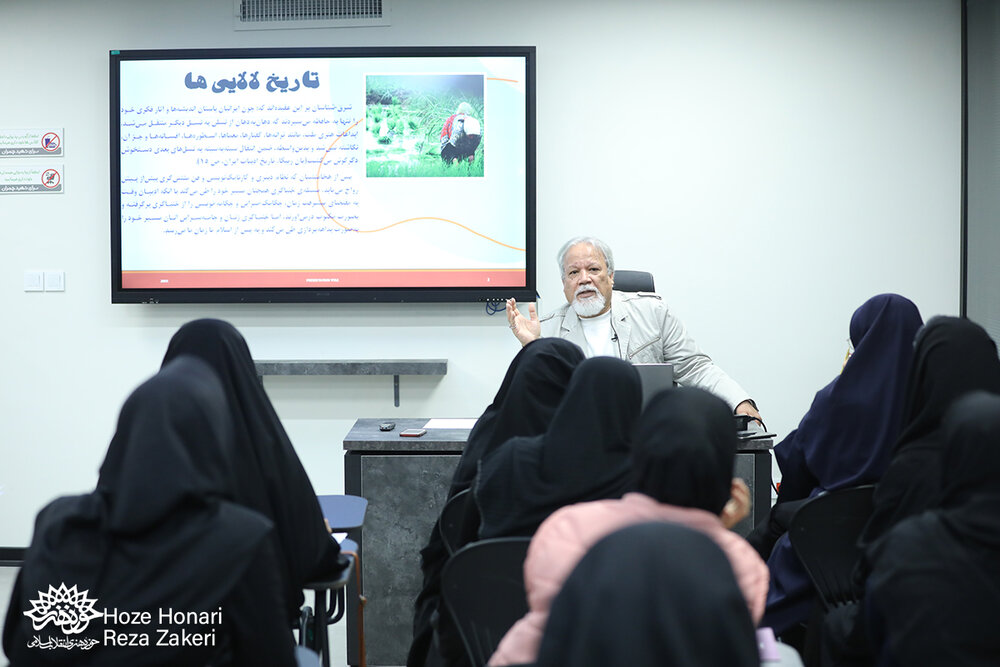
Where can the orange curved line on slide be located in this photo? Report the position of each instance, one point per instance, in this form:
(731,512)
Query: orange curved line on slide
(451,222)
(368,231)
(497,78)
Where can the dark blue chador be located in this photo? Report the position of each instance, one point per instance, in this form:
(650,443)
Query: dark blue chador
(846,438)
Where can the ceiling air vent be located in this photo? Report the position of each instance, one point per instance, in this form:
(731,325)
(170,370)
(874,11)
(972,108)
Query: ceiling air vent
(284,14)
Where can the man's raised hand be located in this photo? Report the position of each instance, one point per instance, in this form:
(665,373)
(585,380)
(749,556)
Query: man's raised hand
(525,329)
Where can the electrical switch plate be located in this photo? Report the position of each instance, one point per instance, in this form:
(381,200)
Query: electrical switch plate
(33,281)
(55,281)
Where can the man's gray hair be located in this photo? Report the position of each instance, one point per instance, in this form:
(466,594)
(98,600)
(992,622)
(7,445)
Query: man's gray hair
(605,249)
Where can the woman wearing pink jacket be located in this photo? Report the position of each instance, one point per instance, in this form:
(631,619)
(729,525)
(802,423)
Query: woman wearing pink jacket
(684,449)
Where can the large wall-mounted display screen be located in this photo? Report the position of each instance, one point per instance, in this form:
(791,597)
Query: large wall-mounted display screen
(259,175)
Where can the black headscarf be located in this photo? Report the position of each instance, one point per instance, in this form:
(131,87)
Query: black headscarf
(158,532)
(583,456)
(269,475)
(953,357)
(935,585)
(970,498)
(524,405)
(156,461)
(846,437)
(650,595)
(684,448)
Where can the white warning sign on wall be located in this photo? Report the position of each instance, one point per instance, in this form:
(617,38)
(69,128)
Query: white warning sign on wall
(31,142)
(32,177)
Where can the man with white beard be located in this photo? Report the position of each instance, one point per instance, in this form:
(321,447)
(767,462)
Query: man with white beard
(637,327)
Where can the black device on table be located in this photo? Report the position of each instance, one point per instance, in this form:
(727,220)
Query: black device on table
(745,431)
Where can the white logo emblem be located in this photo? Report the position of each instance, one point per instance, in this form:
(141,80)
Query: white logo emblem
(70,610)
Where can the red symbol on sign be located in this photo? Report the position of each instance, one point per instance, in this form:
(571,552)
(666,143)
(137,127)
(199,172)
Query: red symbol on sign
(50,141)
(51,178)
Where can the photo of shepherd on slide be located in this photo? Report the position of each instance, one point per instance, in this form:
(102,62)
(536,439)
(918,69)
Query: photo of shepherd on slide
(460,135)
(424,125)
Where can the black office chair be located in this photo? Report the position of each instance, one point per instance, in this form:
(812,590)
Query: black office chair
(633,281)
(824,533)
(459,521)
(482,586)
(343,513)
(330,600)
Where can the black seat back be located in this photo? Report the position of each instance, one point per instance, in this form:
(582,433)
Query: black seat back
(459,521)
(824,533)
(634,281)
(482,586)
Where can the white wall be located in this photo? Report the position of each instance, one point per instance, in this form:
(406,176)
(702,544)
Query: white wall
(774,164)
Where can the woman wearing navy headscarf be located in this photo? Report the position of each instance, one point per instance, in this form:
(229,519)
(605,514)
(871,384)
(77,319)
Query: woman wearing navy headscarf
(952,357)
(844,440)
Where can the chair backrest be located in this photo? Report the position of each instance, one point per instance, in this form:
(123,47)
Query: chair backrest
(482,586)
(633,281)
(458,522)
(343,512)
(824,533)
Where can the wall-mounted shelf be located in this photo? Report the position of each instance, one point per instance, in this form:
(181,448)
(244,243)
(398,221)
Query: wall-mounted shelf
(393,367)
